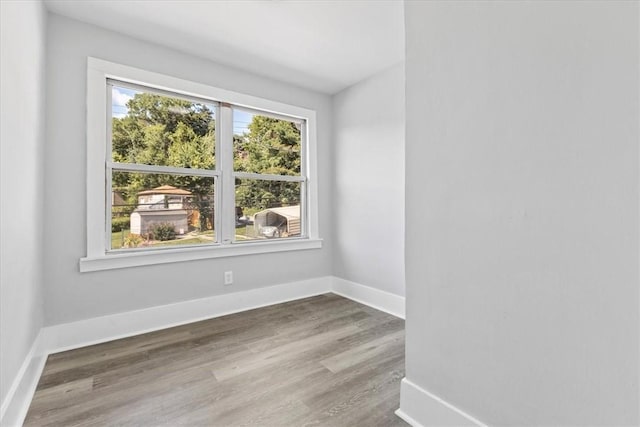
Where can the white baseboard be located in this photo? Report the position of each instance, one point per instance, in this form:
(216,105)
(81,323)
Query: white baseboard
(420,408)
(380,300)
(82,333)
(407,418)
(16,404)
(96,330)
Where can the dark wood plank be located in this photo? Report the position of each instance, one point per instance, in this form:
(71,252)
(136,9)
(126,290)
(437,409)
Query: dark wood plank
(319,361)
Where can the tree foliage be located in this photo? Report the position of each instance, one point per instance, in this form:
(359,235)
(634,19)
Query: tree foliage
(159,130)
(272,147)
(164,131)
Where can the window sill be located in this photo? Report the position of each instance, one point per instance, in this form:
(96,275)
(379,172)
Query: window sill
(164,256)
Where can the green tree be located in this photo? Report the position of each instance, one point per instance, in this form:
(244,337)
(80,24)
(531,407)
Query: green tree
(160,130)
(271,146)
(164,131)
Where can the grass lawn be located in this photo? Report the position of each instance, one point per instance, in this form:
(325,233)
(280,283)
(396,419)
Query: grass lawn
(243,232)
(186,241)
(118,238)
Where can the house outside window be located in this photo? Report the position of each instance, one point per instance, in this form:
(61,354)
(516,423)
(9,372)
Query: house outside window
(192,171)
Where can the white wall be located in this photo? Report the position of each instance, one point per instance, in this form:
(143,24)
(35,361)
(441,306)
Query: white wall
(368,200)
(522,201)
(73,296)
(22,65)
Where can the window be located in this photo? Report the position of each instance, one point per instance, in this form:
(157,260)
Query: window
(177,170)
(161,169)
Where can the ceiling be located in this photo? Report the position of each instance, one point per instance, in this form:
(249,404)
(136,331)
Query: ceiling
(323,45)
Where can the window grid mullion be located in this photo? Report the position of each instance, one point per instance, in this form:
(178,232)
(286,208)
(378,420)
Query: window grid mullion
(108,171)
(136,167)
(228,180)
(304,207)
(217,195)
(267,177)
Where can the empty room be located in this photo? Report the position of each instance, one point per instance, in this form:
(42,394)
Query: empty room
(319,213)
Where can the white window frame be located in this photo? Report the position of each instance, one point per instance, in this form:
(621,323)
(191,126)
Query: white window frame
(98,258)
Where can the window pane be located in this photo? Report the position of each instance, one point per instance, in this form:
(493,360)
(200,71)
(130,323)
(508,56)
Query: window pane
(267,209)
(265,145)
(153,129)
(155,210)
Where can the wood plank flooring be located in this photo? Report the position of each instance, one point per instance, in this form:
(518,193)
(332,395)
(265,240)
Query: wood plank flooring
(319,361)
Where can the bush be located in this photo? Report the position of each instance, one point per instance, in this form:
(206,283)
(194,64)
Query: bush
(132,241)
(163,232)
(119,223)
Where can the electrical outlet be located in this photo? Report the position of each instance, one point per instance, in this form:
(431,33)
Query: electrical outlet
(228,277)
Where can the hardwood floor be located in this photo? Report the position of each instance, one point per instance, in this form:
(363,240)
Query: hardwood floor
(320,361)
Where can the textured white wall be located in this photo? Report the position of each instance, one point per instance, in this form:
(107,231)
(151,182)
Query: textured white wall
(22,65)
(73,296)
(368,200)
(522,201)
